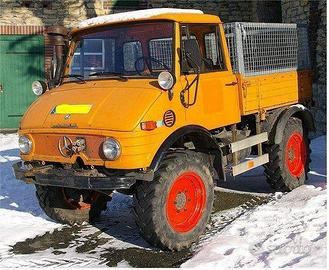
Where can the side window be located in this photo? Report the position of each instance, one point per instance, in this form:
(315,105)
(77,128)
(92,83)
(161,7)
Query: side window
(210,45)
(89,57)
(161,50)
(131,52)
(213,50)
(185,34)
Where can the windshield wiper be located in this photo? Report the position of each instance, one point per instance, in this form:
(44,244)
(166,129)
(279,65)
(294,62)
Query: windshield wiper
(76,76)
(108,73)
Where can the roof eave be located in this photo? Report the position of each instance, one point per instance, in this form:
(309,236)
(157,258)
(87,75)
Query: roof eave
(179,17)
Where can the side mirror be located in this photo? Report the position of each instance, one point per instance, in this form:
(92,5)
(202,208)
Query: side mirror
(193,54)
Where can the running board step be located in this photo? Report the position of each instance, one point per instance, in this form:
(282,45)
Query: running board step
(249,164)
(248,142)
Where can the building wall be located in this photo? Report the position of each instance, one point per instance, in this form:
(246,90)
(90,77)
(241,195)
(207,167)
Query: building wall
(59,12)
(313,13)
(70,12)
(227,10)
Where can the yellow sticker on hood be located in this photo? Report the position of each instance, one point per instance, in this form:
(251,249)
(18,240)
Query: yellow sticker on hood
(72,109)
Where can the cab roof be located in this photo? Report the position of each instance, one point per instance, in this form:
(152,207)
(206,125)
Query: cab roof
(172,14)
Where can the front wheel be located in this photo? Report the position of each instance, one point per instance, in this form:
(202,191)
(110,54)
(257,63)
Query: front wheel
(289,160)
(172,211)
(70,206)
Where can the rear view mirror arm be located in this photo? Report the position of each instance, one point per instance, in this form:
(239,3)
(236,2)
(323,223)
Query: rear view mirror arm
(187,103)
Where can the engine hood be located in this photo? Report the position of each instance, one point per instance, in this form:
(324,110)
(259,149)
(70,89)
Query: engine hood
(113,105)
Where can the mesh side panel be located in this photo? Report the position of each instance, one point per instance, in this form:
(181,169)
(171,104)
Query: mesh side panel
(161,49)
(264,48)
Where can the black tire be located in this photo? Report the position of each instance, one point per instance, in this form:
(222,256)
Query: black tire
(277,171)
(153,209)
(54,202)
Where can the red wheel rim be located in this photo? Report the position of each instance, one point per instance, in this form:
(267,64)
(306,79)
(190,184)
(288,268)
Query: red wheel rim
(80,205)
(185,202)
(295,154)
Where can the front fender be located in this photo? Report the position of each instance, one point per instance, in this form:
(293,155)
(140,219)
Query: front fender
(203,141)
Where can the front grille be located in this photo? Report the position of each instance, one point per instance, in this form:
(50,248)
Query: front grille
(47,144)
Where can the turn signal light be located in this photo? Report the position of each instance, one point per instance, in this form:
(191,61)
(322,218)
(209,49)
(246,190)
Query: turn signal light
(149,125)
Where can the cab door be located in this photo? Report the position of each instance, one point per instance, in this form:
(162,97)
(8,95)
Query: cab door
(213,100)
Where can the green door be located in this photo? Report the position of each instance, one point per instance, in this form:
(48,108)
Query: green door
(21,63)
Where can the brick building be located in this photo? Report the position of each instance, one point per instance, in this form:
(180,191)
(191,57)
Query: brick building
(30,17)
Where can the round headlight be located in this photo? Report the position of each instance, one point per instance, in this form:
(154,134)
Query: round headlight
(166,80)
(38,87)
(111,149)
(25,144)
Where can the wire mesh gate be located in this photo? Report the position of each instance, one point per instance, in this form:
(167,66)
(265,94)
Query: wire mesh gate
(264,48)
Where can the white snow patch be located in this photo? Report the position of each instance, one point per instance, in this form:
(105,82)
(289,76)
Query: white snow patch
(123,264)
(290,231)
(17,226)
(21,216)
(299,106)
(68,260)
(287,232)
(135,15)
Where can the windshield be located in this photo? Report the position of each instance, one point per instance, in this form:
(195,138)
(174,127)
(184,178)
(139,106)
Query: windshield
(138,50)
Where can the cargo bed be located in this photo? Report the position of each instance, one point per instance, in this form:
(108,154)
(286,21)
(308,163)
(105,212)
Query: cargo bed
(271,62)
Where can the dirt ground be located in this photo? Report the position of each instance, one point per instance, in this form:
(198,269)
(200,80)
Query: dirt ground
(115,239)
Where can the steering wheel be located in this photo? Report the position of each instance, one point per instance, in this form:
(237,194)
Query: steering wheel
(148,61)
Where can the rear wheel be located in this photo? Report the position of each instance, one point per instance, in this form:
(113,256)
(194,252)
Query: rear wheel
(172,211)
(289,160)
(70,206)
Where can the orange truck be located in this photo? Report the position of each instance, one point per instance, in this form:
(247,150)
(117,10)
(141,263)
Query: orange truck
(162,104)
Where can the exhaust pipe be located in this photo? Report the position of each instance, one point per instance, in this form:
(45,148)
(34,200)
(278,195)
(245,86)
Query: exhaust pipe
(58,37)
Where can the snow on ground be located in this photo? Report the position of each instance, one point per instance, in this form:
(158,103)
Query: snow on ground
(289,231)
(21,216)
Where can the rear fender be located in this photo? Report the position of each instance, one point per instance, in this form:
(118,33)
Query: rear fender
(298,111)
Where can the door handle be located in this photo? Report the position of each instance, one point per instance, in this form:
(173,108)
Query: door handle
(1,88)
(231,84)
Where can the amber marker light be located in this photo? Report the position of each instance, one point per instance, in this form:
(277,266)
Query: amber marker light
(149,125)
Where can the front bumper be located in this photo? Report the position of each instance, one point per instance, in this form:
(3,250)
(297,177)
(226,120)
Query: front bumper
(48,175)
